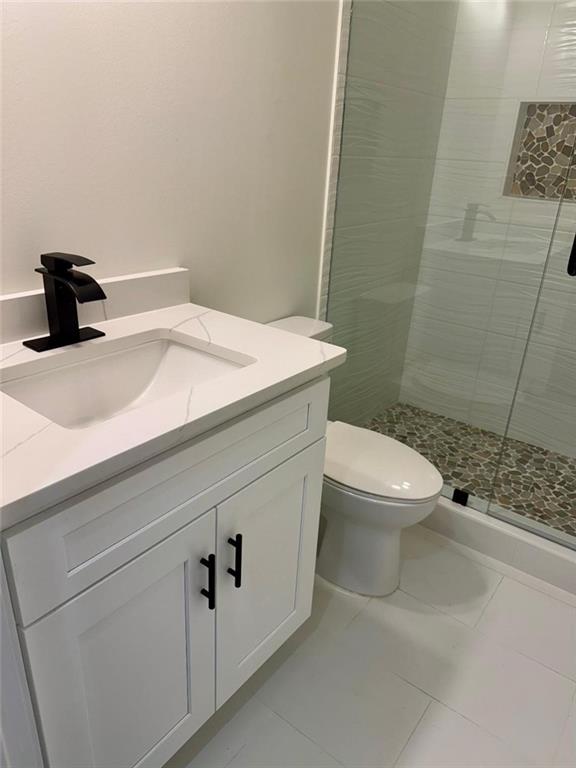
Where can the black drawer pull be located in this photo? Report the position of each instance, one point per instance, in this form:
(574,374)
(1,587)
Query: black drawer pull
(572,259)
(210,593)
(236,542)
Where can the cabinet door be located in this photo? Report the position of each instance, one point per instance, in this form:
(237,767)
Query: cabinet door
(124,673)
(277,518)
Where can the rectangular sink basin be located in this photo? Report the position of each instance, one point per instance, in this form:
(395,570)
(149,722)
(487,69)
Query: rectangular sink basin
(95,383)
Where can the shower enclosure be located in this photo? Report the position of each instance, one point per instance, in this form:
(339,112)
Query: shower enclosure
(454,223)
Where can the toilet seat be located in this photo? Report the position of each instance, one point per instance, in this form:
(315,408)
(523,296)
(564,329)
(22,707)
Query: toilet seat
(348,489)
(378,466)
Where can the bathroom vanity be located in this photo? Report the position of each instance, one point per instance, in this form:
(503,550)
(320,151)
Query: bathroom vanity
(160,539)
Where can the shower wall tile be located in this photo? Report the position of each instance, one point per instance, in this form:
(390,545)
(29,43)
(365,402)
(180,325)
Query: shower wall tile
(381,189)
(460,183)
(528,213)
(512,309)
(389,247)
(444,349)
(544,422)
(550,373)
(490,406)
(370,379)
(524,254)
(478,129)
(498,49)
(356,398)
(555,320)
(382,122)
(373,314)
(397,73)
(558,76)
(556,269)
(443,247)
(443,13)
(500,360)
(390,45)
(456,299)
(430,388)
(504,54)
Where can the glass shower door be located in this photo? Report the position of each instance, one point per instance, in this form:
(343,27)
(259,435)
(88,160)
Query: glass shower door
(535,483)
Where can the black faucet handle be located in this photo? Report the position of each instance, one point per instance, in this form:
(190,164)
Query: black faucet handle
(60,262)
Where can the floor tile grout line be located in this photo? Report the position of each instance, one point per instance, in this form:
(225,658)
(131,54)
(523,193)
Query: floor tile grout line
(524,655)
(235,755)
(568,602)
(504,644)
(492,596)
(519,576)
(477,628)
(435,607)
(413,731)
(495,641)
(306,736)
(508,745)
(453,547)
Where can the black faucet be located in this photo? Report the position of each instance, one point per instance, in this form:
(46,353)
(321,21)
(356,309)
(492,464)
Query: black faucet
(63,287)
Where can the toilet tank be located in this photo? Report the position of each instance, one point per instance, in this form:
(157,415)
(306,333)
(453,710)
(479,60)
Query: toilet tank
(304,326)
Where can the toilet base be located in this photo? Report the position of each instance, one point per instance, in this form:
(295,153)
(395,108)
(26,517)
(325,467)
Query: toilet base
(360,559)
(360,548)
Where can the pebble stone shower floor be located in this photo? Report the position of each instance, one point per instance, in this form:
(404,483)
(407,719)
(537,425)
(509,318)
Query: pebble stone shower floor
(519,477)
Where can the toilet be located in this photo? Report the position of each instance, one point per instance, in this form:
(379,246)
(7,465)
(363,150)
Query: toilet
(374,487)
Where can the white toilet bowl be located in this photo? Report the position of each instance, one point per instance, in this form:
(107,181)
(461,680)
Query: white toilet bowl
(374,486)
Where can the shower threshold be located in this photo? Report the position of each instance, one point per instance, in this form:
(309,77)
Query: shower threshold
(521,483)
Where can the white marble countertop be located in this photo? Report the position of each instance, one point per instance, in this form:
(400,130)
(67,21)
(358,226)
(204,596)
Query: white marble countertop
(44,463)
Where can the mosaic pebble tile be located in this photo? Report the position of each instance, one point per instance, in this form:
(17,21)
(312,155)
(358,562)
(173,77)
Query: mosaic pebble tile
(522,478)
(543,151)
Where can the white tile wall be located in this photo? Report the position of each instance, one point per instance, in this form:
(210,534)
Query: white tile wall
(484,292)
(397,75)
(474,303)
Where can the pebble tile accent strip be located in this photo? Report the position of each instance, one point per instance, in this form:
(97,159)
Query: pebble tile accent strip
(544,149)
(525,479)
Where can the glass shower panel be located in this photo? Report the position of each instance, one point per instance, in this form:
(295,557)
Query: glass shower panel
(456,143)
(398,64)
(535,485)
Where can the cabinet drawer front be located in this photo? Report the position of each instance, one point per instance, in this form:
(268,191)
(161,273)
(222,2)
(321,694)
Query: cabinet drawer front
(66,549)
(124,673)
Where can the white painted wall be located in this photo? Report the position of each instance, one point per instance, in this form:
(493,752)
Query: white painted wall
(150,135)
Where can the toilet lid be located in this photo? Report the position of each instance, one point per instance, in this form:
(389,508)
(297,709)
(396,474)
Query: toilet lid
(379,465)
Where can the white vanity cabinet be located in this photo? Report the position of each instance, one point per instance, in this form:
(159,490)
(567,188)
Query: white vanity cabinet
(123,674)
(136,625)
(277,518)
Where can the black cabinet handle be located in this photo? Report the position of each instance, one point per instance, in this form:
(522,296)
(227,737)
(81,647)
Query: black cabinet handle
(572,259)
(236,542)
(210,593)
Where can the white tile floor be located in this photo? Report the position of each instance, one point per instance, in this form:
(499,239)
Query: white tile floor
(468,664)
